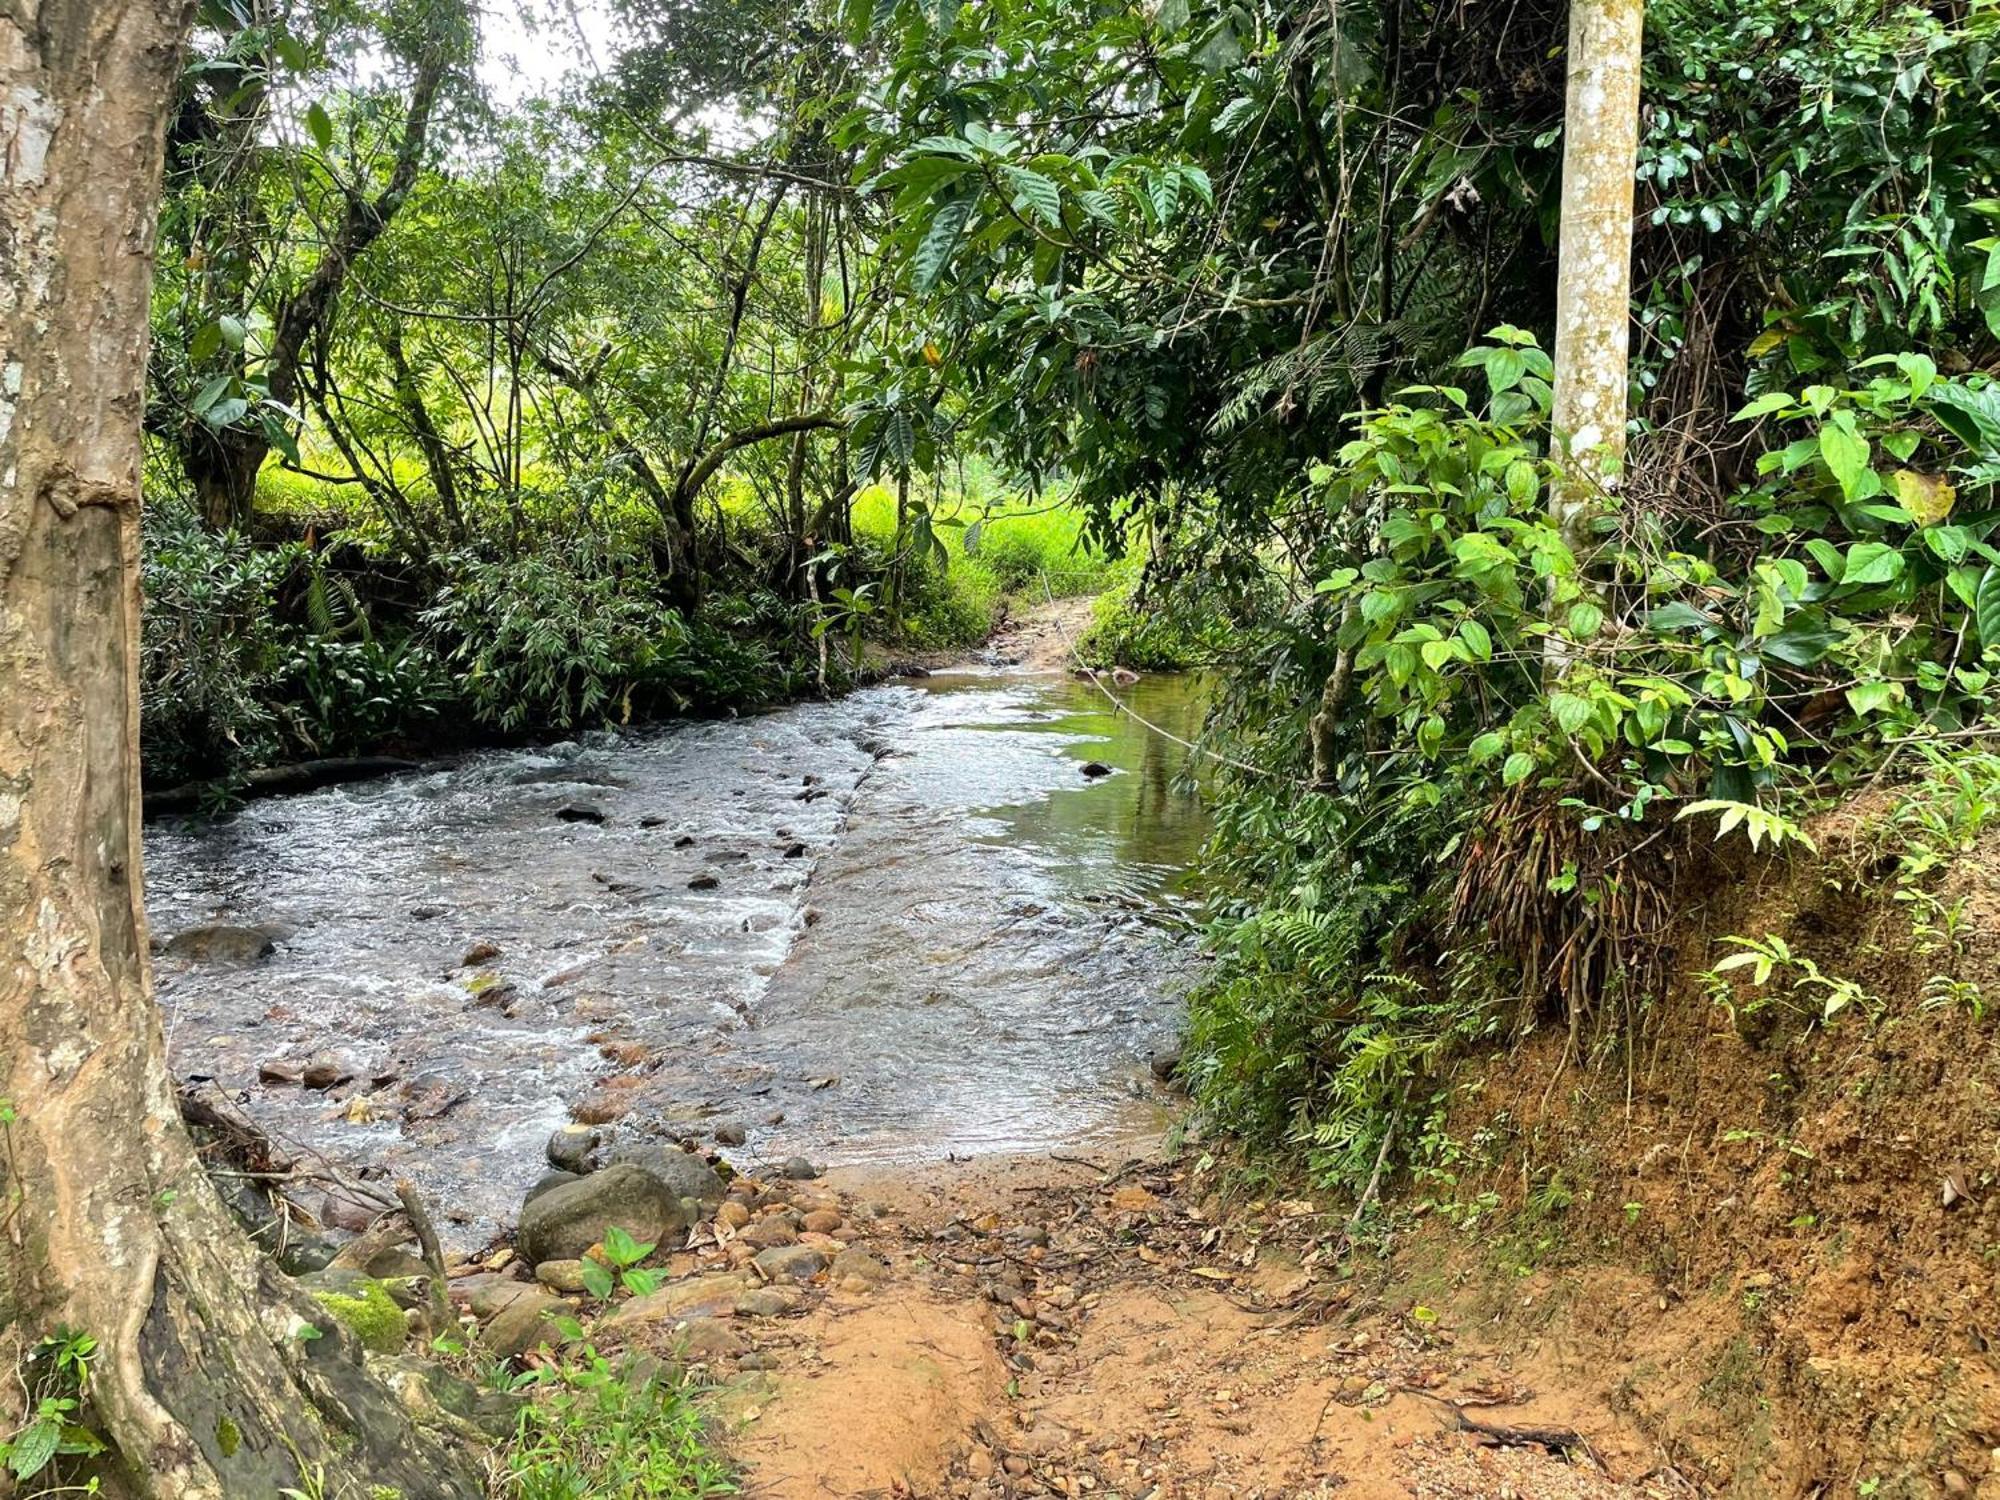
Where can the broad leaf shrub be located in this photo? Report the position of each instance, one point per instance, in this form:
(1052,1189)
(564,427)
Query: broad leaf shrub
(1846,602)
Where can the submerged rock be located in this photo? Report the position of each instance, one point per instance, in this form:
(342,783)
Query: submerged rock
(1095,768)
(222,943)
(565,1221)
(579,812)
(327,1070)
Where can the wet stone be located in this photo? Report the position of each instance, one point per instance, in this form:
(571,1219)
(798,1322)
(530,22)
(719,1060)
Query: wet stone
(799,1169)
(223,944)
(569,1148)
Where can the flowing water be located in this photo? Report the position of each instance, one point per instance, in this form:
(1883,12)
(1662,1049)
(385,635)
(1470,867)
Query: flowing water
(897,926)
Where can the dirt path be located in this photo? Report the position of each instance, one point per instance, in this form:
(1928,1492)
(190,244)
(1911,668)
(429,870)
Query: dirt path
(1058,1327)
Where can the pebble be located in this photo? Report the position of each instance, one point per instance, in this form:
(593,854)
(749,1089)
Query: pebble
(799,1169)
(734,1213)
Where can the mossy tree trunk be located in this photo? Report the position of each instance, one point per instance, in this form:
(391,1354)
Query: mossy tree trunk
(202,1382)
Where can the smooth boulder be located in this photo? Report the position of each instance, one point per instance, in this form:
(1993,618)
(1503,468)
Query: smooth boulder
(679,1172)
(565,1221)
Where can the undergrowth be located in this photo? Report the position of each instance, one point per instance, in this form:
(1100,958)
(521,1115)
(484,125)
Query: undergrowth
(598,1430)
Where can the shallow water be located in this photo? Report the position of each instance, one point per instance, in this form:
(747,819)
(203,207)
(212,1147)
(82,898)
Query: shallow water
(928,933)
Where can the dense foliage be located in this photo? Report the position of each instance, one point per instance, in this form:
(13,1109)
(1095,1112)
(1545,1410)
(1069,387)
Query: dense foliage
(1221,263)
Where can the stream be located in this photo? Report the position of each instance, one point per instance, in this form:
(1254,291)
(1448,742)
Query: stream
(898,926)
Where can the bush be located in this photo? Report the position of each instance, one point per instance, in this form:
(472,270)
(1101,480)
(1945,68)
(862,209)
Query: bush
(211,649)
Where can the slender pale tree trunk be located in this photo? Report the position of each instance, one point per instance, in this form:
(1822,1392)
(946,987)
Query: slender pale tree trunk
(1594,276)
(202,1383)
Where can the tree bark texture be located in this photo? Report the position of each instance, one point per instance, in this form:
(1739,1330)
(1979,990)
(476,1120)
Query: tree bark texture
(202,1383)
(1594,274)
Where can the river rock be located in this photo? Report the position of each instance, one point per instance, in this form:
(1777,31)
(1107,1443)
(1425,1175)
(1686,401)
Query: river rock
(701,1339)
(730,1133)
(565,1221)
(481,952)
(278,1073)
(799,1169)
(549,1180)
(1166,1064)
(682,1173)
(765,1302)
(222,943)
(770,1231)
(733,1214)
(856,1264)
(1095,768)
(710,1296)
(561,1276)
(432,1096)
(580,812)
(703,882)
(569,1148)
(327,1070)
(823,1221)
(791,1263)
(525,1323)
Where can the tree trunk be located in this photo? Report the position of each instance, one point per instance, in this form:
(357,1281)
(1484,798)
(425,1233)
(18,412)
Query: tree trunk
(201,1382)
(1594,275)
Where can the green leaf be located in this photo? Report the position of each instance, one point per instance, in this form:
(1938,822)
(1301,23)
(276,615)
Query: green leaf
(1585,619)
(1571,710)
(623,1249)
(211,393)
(1846,454)
(1519,767)
(1869,563)
(1477,638)
(596,1279)
(934,252)
(1872,697)
(1765,404)
(1034,195)
(319,125)
(33,1449)
(1676,617)
(1986,608)
(1485,747)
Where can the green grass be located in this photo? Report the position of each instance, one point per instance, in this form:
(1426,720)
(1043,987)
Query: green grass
(595,1431)
(996,549)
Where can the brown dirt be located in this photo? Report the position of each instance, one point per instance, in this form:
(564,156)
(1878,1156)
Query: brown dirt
(1051,1327)
(1032,638)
